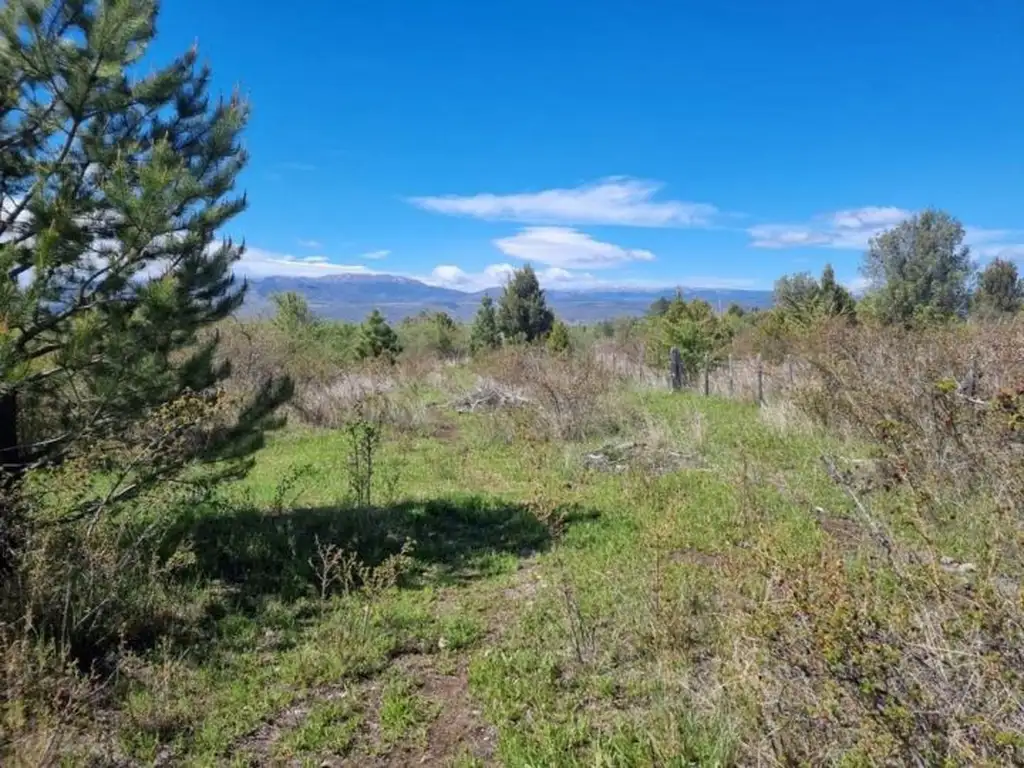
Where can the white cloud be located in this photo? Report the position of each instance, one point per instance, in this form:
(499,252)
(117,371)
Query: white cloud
(872,217)
(311,244)
(495,275)
(256,262)
(450,276)
(374,255)
(1005,251)
(858,285)
(558,278)
(987,244)
(617,200)
(564,247)
(852,228)
(981,235)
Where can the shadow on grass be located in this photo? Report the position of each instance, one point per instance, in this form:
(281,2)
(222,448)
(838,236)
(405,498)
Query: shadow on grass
(261,554)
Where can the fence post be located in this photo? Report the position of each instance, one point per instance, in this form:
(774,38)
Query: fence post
(730,377)
(760,381)
(676,369)
(707,380)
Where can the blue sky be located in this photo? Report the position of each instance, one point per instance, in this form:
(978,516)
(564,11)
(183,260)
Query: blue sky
(653,143)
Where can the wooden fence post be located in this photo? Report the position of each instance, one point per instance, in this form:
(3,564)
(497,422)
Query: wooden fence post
(676,369)
(731,391)
(760,382)
(707,381)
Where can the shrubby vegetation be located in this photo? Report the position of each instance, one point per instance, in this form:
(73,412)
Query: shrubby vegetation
(496,542)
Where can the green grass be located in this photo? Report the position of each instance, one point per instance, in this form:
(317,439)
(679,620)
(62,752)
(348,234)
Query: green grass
(556,616)
(328,728)
(557,629)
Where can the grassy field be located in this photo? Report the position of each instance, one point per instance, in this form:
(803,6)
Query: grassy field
(694,589)
(514,605)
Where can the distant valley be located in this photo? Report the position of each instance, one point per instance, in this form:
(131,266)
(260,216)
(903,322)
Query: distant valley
(352,297)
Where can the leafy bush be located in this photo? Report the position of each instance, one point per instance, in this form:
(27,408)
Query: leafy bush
(559,341)
(695,329)
(432,334)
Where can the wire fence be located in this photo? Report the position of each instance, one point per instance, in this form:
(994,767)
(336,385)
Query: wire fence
(751,379)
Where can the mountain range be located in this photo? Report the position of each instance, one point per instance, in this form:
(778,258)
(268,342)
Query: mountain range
(353,296)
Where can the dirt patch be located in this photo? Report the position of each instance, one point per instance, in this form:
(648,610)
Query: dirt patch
(458,731)
(695,557)
(259,745)
(444,430)
(459,728)
(525,584)
(842,529)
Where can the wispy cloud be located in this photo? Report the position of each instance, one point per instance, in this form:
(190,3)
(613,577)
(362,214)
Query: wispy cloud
(1005,251)
(256,262)
(614,201)
(858,285)
(311,244)
(451,276)
(495,275)
(987,244)
(558,278)
(569,248)
(852,228)
(374,255)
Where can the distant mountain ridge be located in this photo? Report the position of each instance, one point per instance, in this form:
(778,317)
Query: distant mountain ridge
(353,296)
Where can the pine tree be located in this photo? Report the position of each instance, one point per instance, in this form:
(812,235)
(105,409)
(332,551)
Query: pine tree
(835,300)
(377,339)
(114,182)
(692,327)
(659,307)
(523,313)
(445,334)
(559,341)
(803,301)
(484,334)
(293,317)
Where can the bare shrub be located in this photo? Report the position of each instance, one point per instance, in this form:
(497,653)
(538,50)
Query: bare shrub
(42,697)
(627,361)
(569,397)
(84,590)
(901,654)
(865,668)
(943,406)
(336,568)
(334,403)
